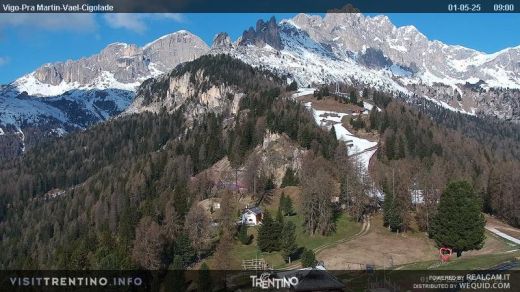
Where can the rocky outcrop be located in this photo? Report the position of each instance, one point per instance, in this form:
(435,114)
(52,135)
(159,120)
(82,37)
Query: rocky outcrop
(374,58)
(171,93)
(222,41)
(265,33)
(173,49)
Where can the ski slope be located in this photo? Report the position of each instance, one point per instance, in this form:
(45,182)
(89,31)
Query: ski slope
(361,149)
(358,148)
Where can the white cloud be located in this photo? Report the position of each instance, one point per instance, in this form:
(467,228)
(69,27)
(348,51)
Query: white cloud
(50,21)
(84,22)
(178,17)
(137,22)
(130,21)
(3,60)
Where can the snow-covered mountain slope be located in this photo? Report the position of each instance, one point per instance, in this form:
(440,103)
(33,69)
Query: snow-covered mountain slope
(310,62)
(370,51)
(359,149)
(65,96)
(431,61)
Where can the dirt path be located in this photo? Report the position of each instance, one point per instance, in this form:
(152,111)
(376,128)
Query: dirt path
(379,248)
(364,230)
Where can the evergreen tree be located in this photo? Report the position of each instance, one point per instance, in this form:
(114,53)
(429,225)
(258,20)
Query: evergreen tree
(289,209)
(374,118)
(289,179)
(279,216)
(243,236)
(293,86)
(285,207)
(391,212)
(288,240)
(333,137)
(395,220)
(459,223)
(401,152)
(204,278)
(390,146)
(269,184)
(177,281)
(308,258)
(269,234)
(353,97)
(282,202)
(184,250)
(387,205)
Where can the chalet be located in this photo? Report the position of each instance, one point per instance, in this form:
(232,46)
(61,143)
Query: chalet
(252,216)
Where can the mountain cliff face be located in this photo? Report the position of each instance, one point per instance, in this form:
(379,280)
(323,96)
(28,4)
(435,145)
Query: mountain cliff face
(406,46)
(222,41)
(119,65)
(198,89)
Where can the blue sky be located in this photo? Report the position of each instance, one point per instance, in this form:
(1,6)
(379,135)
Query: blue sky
(28,41)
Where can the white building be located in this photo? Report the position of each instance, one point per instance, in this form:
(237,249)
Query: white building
(252,216)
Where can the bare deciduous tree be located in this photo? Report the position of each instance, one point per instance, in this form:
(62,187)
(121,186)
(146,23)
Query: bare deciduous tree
(148,244)
(222,258)
(171,225)
(228,211)
(318,188)
(197,228)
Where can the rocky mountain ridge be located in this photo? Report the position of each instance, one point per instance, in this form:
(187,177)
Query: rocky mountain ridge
(342,48)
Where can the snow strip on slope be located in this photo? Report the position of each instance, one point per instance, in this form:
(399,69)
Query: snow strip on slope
(503,235)
(356,145)
(303,92)
(449,107)
(106,80)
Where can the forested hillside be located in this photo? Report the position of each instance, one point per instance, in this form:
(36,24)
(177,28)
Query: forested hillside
(78,202)
(426,146)
(123,194)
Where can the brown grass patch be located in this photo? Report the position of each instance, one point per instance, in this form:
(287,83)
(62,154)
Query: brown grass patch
(329,103)
(382,248)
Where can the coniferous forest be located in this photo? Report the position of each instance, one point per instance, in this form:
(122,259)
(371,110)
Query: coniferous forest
(78,202)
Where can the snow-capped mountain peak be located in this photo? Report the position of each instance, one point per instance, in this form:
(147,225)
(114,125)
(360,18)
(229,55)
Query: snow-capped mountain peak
(346,48)
(119,65)
(75,94)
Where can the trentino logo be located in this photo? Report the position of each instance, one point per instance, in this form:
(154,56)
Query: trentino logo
(265,281)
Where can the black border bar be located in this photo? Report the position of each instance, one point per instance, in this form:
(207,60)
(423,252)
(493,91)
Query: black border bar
(259,6)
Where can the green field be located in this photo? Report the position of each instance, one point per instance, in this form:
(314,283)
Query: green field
(345,228)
